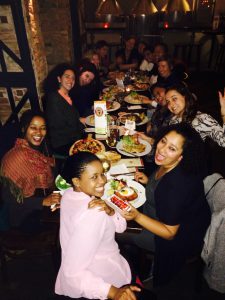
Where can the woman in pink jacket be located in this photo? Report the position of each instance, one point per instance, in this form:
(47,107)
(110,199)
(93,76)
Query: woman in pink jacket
(91,265)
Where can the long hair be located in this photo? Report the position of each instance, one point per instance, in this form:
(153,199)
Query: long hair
(194,154)
(191,108)
(75,165)
(51,83)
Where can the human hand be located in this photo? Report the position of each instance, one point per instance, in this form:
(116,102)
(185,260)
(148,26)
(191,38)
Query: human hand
(53,198)
(132,214)
(123,293)
(143,136)
(102,206)
(141,177)
(222,102)
(83,121)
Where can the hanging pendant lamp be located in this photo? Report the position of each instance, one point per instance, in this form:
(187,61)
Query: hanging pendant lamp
(109,7)
(177,5)
(144,7)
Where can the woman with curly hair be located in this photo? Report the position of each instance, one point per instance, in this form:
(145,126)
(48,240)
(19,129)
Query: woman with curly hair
(183,106)
(63,119)
(176,214)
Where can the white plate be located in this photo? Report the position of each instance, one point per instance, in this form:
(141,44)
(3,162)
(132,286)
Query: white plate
(146,119)
(113,89)
(129,99)
(109,82)
(59,177)
(139,201)
(116,105)
(148,148)
(90,120)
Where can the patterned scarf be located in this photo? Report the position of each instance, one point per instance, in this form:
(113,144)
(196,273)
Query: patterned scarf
(27,169)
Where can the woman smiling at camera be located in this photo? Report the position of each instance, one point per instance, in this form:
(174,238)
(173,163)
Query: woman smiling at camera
(183,106)
(62,115)
(27,171)
(175,215)
(91,265)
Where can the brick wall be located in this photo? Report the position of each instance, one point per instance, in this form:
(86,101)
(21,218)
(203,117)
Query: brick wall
(56,28)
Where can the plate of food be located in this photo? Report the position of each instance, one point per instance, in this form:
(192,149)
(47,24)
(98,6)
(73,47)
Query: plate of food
(125,189)
(109,82)
(112,105)
(140,86)
(139,118)
(89,144)
(135,98)
(61,183)
(113,90)
(90,120)
(116,74)
(112,156)
(132,146)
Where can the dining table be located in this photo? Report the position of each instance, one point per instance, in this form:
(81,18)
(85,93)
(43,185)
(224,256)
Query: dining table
(134,162)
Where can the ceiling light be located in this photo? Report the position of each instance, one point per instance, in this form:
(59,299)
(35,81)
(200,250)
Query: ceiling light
(176,5)
(144,7)
(109,7)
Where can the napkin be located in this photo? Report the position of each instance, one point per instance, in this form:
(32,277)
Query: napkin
(134,107)
(91,129)
(118,169)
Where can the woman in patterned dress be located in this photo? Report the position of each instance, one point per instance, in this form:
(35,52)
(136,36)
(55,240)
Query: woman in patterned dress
(182,105)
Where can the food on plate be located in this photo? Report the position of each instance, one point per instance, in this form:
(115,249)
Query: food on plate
(131,144)
(92,120)
(135,98)
(88,144)
(112,156)
(127,193)
(109,82)
(143,79)
(120,188)
(116,74)
(137,86)
(137,117)
(113,90)
(109,104)
(117,184)
(141,86)
(61,183)
(121,204)
(107,96)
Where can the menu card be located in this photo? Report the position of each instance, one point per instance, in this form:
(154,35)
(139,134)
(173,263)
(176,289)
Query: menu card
(100,113)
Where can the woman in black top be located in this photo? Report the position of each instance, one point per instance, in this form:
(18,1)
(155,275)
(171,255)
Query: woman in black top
(86,88)
(63,119)
(127,57)
(176,214)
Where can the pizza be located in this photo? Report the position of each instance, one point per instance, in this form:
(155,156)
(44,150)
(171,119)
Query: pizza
(90,145)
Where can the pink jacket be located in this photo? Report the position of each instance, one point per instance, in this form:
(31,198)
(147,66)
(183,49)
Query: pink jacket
(91,261)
